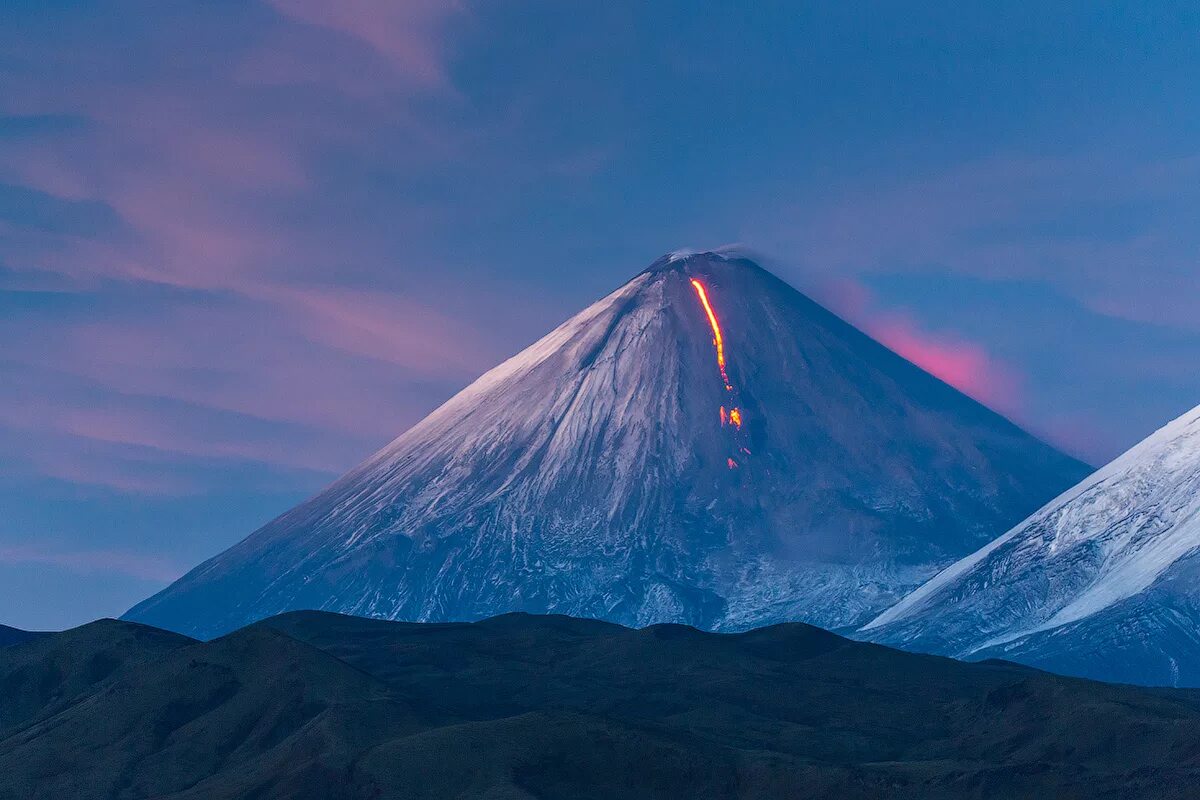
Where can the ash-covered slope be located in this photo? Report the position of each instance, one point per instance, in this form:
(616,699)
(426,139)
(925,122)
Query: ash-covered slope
(704,445)
(1102,582)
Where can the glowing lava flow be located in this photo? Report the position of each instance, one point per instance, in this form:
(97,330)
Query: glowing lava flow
(716,329)
(732,416)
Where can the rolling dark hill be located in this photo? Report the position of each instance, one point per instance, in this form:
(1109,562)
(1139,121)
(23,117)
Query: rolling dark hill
(55,671)
(314,705)
(16,635)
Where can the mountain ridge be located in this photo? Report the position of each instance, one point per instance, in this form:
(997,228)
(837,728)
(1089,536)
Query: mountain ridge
(703,445)
(1098,582)
(9,635)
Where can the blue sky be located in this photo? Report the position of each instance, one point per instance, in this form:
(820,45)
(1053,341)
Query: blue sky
(244,244)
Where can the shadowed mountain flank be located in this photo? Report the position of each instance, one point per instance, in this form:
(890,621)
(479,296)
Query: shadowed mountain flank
(16,635)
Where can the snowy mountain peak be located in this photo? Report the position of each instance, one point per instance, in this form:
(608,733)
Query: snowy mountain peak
(703,445)
(679,255)
(1123,546)
(732,253)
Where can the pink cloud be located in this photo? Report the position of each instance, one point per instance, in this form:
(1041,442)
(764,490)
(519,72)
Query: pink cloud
(965,365)
(209,169)
(241,172)
(296,377)
(167,433)
(105,470)
(391,328)
(408,34)
(206,362)
(214,162)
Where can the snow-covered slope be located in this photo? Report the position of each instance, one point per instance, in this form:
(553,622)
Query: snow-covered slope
(1101,582)
(704,445)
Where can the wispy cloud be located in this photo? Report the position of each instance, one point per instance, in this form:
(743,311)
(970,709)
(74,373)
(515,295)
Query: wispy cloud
(88,562)
(1112,231)
(221,264)
(409,35)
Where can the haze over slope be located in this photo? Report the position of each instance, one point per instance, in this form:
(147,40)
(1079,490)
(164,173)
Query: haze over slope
(704,445)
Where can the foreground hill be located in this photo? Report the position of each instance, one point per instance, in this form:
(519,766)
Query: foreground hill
(1103,582)
(15,635)
(705,445)
(315,705)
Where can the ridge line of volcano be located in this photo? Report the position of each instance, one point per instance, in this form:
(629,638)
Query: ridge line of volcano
(497,501)
(586,365)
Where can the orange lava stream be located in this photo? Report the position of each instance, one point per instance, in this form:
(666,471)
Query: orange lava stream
(716,329)
(733,415)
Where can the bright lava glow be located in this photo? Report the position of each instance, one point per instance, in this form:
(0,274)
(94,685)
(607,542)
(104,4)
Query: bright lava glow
(732,415)
(718,341)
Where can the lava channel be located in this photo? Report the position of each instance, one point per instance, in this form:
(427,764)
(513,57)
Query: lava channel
(718,340)
(733,415)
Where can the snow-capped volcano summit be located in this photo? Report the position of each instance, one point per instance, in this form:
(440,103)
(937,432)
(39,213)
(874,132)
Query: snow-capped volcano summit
(704,445)
(1103,582)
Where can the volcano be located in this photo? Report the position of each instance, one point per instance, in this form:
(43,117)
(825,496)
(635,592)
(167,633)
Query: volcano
(704,445)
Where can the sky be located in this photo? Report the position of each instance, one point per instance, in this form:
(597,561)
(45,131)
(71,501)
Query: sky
(245,244)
